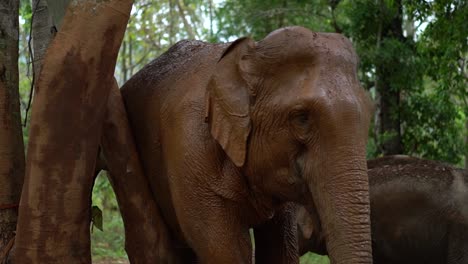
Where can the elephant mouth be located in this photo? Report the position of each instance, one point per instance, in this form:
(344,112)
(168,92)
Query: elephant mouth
(299,182)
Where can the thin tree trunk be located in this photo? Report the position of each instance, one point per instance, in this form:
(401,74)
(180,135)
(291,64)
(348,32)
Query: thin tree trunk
(466,142)
(187,25)
(124,61)
(11,138)
(146,235)
(389,103)
(67,115)
(211,19)
(282,15)
(130,56)
(43,31)
(171,22)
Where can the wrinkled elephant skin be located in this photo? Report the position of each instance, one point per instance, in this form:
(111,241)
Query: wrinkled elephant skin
(230,133)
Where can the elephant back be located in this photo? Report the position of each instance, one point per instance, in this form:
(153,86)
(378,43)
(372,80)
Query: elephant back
(177,62)
(408,169)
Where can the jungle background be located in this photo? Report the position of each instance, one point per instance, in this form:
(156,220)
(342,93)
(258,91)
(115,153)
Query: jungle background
(413,62)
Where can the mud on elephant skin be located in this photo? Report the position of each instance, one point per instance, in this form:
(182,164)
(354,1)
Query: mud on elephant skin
(230,133)
(419,213)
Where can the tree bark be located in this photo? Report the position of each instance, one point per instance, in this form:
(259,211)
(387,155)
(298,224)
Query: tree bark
(11,137)
(43,31)
(146,235)
(389,103)
(67,115)
(57,10)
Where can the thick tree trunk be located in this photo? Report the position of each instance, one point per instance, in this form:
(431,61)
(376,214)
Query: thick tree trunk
(146,235)
(389,103)
(67,115)
(43,30)
(11,138)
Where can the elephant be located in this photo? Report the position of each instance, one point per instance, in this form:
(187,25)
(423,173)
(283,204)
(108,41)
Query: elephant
(419,213)
(231,134)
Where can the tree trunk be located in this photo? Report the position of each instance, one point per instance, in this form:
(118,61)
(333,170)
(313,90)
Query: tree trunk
(57,10)
(67,115)
(47,18)
(124,61)
(146,235)
(210,8)
(172,23)
(466,142)
(43,30)
(11,137)
(389,104)
(282,15)
(187,25)
(130,56)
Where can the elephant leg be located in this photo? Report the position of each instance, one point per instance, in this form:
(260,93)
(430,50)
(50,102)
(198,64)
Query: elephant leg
(458,244)
(276,240)
(216,234)
(223,243)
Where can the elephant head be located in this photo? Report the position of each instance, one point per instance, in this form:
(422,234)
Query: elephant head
(290,113)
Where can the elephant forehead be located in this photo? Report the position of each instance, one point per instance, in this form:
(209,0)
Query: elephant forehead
(314,83)
(301,44)
(335,45)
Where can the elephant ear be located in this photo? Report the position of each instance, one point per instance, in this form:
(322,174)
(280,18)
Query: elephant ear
(228,101)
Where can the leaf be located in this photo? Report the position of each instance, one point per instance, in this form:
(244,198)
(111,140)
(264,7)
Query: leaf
(96,217)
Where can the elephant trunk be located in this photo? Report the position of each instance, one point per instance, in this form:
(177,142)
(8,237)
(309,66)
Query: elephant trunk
(341,195)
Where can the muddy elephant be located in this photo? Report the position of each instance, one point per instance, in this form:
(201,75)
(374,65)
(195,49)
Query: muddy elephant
(419,213)
(230,133)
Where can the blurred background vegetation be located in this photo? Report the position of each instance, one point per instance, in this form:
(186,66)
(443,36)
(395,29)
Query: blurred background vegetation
(413,62)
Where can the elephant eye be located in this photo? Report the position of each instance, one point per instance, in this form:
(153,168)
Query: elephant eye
(302,118)
(301,124)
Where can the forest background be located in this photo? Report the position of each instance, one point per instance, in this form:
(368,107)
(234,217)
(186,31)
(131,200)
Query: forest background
(413,62)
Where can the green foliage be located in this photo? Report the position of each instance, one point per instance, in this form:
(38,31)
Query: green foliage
(257,18)
(438,110)
(108,244)
(439,129)
(311,258)
(426,66)
(444,45)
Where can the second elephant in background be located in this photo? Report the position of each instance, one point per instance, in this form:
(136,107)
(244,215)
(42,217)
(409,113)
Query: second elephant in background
(419,213)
